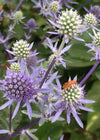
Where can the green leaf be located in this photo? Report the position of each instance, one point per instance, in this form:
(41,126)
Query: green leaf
(93,122)
(54,131)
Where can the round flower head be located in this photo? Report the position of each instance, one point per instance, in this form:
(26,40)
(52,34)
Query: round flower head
(90,19)
(15,67)
(18,16)
(20,87)
(71,99)
(31,25)
(54,6)
(21,49)
(68,23)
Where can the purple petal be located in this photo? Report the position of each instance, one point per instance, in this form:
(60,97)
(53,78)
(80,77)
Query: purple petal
(65,49)
(16,109)
(62,137)
(4,131)
(29,110)
(54,24)
(57,115)
(68,116)
(86,109)
(31,45)
(86,101)
(80,39)
(53,33)
(10,52)
(77,119)
(6,104)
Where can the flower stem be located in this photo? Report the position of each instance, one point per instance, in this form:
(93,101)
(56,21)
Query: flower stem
(89,73)
(8,137)
(20,2)
(10,116)
(83,4)
(62,45)
(28,135)
(49,69)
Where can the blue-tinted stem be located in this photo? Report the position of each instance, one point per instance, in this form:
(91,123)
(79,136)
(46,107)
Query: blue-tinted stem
(49,69)
(89,73)
(28,135)
(8,137)
(19,4)
(10,116)
(6,47)
(84,4)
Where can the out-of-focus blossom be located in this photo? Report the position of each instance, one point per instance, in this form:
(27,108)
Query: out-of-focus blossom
(31,25)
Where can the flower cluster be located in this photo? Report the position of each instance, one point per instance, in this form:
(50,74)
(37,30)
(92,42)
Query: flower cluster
(36,83)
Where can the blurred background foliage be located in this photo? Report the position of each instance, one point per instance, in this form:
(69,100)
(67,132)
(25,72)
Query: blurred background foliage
(79,65)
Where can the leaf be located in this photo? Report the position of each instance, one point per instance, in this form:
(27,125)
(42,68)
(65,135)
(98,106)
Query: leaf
(93,122)
(52,130)
(80,136)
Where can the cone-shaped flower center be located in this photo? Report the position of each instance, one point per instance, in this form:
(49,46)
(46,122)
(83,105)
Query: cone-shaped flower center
(54,6)
(15,67)
(97,40)
(21,49)
(18,86)
(71,92)
(18,16)
(69,23)
(90,19)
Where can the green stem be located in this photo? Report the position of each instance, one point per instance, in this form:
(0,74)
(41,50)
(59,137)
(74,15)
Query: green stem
(61,45)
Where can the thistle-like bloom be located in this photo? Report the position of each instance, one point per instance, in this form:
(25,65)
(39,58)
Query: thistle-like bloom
(90,19)
(57,52)
(70,98)
(21,50)
(68,24)
(95,46)
(31,25)
(21,88)
(48,7)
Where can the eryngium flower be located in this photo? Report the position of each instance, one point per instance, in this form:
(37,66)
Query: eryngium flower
(15,67)
(95,10)
(70,98)
(95,46)
(68,23)
(18,16)
(20,88)
(21,50)
(31,25)
(54,7)
(90,19)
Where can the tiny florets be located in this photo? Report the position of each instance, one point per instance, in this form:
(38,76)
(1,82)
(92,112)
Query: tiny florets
(21,49)
(18,16)
(15,67)
(54,6)
(90,19)
(72,94)
(69,23)
(18,86)
(96,40)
